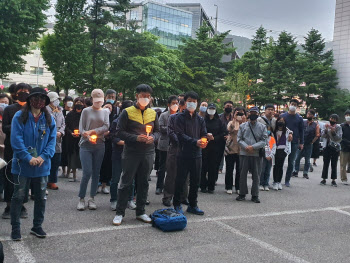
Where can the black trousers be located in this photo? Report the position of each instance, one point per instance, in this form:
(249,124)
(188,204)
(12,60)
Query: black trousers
(280,156)
(210,165)
(162,169)
(232,160)
(185,167)
(330,155)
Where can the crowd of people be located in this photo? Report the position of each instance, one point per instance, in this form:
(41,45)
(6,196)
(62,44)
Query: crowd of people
(119,144)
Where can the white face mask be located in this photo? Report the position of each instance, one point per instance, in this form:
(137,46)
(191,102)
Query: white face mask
(143,101)
(174,107)
(191,106)
(211,111)
(292,108)
(97,104)
(69,104)
(347,118)
(56,103)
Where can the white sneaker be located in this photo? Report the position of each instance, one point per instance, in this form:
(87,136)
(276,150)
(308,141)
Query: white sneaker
(91,204)
(261,188)
(47,192)
(117,221)
(275,186)
(114,205)
(237,192)
(279,186)
(99,189)
(266,188)
(345,182)
(229,192)
(131,205)
(144,218)
(81,205)
(105,190)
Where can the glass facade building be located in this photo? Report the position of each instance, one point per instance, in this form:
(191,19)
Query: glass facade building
(170,24)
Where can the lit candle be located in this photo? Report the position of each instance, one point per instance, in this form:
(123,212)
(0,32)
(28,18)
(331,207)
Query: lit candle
(204,140)
(148,129)
(93,138)
(76,132)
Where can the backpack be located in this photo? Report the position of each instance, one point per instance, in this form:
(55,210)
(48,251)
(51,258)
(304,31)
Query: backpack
(168,220)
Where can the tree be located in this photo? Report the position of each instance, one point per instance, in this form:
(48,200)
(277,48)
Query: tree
(21,22)
(137,58)
(67,51)
(202,56)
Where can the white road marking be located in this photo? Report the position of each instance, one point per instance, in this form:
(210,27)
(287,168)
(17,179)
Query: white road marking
(197,220)
(341,211)
(22,252)
(276,250)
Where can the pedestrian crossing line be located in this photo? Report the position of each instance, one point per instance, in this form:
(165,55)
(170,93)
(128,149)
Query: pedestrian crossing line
(22,252)
(263,244)
(197,220)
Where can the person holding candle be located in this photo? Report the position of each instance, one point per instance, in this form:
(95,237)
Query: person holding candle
(211,155)
(189,129)
(73,138)
(94,122)
(138,153)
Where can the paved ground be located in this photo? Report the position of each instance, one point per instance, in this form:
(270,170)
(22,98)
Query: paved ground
(304,223)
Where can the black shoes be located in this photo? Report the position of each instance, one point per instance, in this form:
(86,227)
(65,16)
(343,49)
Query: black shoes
(240,198)
(255,199)
(38,232)
(203,190)
(306,176)
(185,202)
(295,174)
(16,235)
(167,202)
(159,191)
(210,191)
(323,182)
(334,184)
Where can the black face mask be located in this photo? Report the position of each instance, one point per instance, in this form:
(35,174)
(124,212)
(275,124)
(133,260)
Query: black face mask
(253,117)
(240,113)
(280,124)
(228,110)
(22,96)
(310,118)
(79,107)
(332,122)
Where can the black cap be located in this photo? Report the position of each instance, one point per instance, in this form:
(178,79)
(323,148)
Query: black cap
(38,91)
(211,106)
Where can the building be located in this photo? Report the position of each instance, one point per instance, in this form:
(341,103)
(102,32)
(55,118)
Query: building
(341,43)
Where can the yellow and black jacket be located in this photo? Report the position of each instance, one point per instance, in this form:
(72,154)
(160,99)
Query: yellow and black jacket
(131,123)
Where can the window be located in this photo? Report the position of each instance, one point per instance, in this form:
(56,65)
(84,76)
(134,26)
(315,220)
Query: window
(36,71)
(133,15)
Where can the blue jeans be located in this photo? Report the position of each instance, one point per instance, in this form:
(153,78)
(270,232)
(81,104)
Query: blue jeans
(55,163)
(265,173)
(91,157)
(38,185)
(291,161)
(306,152)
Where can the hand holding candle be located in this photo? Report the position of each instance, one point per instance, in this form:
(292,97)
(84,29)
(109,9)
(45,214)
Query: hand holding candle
(148,129)
(93,139)
(76,133)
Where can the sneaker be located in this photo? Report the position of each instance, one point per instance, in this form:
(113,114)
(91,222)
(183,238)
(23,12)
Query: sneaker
(16,235)
(178,209)
(52,186)
(255,199)
(167,202)
(229,192)
(323,182)
(38,232)
(261,188)
(240,198)
(131,205)
(210,191)
(314,164)
(280,186)
(46,193)
(159,191)
(72,180)
(311,169)
(345,182)
(237,192)
(267,188)
(334,184)
(144,218)
(220,171)
(117,221)
(63,175)
(114,205)
(91,204)
(81,205)
(148,202)
(306,176)
(275,186)
(195,210)
(287,184)
(295,174)
(6,214)
(185,202)
(24,213)
(105,190)
(203,190)
(99,189)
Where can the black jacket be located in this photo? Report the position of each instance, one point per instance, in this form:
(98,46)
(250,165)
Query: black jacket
(218,129)
(7,117)
(345,142)
(189,129)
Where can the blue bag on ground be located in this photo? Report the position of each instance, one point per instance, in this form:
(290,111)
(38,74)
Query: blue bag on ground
(168,220)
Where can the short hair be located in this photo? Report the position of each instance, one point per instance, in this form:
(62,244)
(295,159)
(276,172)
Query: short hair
(347,112)
(311,112)
(4,95)
(226,102)
(192,95)
(79,99)
(334,116)
(181,95)
(12,88)
(171,98)
(182,103)
(110,91)
(67,98)
(126,104)
(240,108)
(88,102)
(294,100)
(144,88)
(21,86)
(269,106)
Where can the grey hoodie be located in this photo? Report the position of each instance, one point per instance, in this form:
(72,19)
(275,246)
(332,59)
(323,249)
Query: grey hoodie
(60,126)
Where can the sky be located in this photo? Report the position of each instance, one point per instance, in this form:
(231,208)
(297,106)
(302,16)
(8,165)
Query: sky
(242,17)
